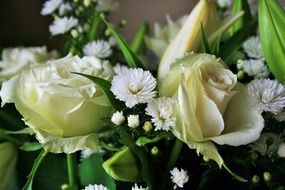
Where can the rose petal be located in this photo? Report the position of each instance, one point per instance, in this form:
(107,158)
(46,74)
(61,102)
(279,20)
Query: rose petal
(243,123)
(7,92)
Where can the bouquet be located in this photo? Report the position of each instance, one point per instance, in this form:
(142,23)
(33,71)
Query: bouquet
(198,104)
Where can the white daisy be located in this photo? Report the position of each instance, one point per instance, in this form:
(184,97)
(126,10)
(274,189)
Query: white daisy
(64,7)
(162,111)
(267,95)
(136,187)
(252,47)
(118,118)
(107,5)
(120,69)
(255,68)
(179,178)
(50,6)
(134,86)
(62,25)
(95,187)
(98,48)
(133,121)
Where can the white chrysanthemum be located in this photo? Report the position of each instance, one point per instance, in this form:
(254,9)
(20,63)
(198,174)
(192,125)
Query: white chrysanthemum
(133,121)
(50,6)
(267,144)
(62,25)
(136,187)
(162,111)
(255,68)
(267,95)
(98,48)
(64,7)
(134,86)
(120,69)
(224,3)
(252,47)
(95,187)
(107,5)
(118,118)
(179,178)
(281,150)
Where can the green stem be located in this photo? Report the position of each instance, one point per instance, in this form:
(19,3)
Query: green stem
(175,152)
(38,161)
(71,170)
(95,26)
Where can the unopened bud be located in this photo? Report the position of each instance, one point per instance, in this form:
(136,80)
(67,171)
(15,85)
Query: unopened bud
(154,151)
(147,127)
(255,179)
(64,187)
(266,176)
(240,74)
(74,33)
(87,3)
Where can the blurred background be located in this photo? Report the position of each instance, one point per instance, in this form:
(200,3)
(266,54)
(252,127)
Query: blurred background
(22,24)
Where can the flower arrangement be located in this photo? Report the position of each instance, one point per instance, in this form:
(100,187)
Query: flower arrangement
(198,105)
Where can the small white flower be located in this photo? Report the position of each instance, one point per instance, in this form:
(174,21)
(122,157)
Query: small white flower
(267,95)
(224,3)
(120,69)
(95,187)
(118,118)
(107,5)
(50,6)
(281,150)
(179,178)
(64,7)
(62,25)
(162,111)
(98,48)
(133,121)
(252,47)
(134,86)
(255,68)
(136,187)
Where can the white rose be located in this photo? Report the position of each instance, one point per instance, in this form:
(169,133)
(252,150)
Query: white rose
(16,59)
(212,106)
(65,110)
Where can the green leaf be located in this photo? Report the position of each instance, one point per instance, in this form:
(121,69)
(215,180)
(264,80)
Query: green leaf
(130,57)
(205,41)
(38,161)
(237,177)
(138,42)
(235,42)
(145,140)
(31,147)
(92,172)
(105,86)
(271,29)
(95,26)
(240,5)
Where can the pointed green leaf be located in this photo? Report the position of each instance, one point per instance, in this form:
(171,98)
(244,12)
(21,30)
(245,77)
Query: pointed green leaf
(92,172)
(95,26)
(138,42)
(146,140)
(240,5)
(31,147)
(132,60)
(205,41)
(271,19)
(105,86)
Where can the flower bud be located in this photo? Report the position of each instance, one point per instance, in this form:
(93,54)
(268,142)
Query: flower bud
(147,127)
(122,166)
(154,151)
(255,179)
(267,176)
(8,160)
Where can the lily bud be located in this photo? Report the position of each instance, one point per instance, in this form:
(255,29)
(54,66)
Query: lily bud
(8,158)
(189,37)
(122,166)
